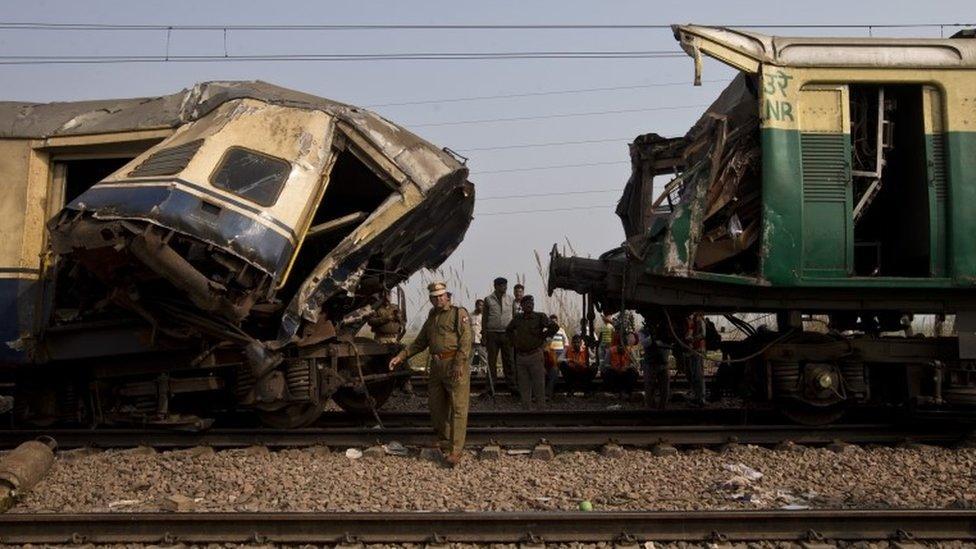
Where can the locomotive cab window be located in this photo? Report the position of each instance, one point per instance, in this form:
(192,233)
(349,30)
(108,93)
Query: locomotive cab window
(252,175)
(874,188)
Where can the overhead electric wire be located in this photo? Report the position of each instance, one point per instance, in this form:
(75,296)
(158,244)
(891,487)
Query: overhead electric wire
(552,193)
(73,26)
(559,115)
(417,56)
(544,210)
(550,144)
(553,167)
(541,93)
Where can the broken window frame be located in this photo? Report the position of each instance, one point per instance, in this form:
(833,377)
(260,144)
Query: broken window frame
(283,175)
(346,139)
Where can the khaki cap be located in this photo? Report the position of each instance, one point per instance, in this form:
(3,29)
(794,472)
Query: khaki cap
(435,289)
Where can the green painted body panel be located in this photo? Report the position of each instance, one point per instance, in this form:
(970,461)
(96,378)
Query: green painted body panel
(828,227)
(807,238)
(791,258)
(961,152)
(782,238)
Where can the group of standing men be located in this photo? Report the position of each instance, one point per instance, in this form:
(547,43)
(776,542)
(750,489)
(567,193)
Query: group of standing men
(513,330)
(509,327)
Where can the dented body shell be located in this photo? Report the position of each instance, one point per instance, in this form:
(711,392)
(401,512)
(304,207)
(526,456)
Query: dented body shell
(830,186)
(232,213)
(793,99)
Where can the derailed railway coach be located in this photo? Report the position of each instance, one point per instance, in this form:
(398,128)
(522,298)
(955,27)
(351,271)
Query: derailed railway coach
(216,250)
(833,179)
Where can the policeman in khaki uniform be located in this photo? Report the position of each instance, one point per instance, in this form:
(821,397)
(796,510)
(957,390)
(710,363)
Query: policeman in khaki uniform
(447,334)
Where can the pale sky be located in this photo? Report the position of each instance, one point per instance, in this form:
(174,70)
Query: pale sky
(657,93)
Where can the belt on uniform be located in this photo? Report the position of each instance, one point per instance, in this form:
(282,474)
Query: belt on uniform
(445,355)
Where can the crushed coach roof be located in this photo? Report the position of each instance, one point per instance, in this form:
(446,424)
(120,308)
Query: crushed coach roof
(421,160)
(921,53)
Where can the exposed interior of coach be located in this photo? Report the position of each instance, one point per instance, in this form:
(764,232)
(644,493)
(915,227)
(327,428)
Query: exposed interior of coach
(889,196)
(72,171)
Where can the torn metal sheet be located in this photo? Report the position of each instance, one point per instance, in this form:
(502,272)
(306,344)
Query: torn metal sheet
(254,234)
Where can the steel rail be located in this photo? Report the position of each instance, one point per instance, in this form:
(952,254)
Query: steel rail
(440,527)
(517,436)
(711,416)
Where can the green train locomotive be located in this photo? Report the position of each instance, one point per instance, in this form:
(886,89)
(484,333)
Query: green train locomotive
(832,177)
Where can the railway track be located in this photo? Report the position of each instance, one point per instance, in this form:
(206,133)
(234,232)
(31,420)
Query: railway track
(509,436)
(479,384)
(537,527)
(614,417)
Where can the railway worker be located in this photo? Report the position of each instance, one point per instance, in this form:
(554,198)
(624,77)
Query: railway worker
(576,369)
(529,331)
(447,335)
(497,314)
(695,339)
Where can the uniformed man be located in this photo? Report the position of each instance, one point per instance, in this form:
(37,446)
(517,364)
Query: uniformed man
(386,321)
(529,332)
(447,335)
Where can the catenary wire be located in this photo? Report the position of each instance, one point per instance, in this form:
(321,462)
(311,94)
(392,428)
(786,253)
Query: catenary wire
(552,167)
(421,56)
(549,144)
(543,210)
(536,94)
(553,193)
(559,115)
(72,26)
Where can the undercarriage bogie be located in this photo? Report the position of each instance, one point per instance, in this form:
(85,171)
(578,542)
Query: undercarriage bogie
(175,392)
(814,377)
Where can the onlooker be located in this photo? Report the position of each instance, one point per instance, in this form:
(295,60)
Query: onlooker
(495,319)
(620,375)
(386,321)
(559,340)
(478,356)
(519,291)
(576,369)
(695,339)
(657,382)
(606,334)
(555,353)
(529,332)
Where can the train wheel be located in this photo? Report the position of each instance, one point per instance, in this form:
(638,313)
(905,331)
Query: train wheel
(805,414)
(292,416)
(355,401)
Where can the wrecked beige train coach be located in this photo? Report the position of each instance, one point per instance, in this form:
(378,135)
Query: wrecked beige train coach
(215,249)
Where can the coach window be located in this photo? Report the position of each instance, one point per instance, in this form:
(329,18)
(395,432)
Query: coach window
(252,175)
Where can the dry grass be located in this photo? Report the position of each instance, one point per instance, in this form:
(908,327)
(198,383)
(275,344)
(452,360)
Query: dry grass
(564,304)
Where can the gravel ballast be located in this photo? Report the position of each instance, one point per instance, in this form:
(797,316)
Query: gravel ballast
(316,480)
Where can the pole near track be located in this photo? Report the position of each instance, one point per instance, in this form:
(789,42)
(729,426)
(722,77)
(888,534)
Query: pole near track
(405,527)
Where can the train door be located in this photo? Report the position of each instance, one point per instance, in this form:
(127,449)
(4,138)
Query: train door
(825,142)
(899,180)
(873,181)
